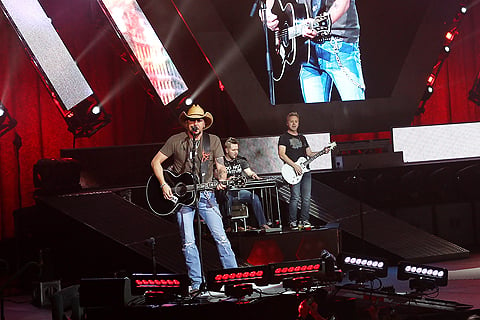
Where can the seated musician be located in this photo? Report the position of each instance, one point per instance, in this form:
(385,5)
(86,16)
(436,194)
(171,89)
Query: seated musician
(236,166)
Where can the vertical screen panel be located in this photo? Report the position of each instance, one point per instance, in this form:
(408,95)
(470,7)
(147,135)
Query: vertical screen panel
(149,51)
(50,55)
(437,142)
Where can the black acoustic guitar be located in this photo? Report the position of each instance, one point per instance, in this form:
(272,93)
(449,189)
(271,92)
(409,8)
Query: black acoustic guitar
(183,191)
(293,19)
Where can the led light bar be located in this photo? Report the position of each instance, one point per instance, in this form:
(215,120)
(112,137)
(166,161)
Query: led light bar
(164,282)
(407,270)
(377,266)
(255,274)
(291,269)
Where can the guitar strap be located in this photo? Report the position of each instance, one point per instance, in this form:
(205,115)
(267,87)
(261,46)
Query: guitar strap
(206,150)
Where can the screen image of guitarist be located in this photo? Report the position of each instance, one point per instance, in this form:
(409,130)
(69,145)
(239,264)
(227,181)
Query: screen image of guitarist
(320,39)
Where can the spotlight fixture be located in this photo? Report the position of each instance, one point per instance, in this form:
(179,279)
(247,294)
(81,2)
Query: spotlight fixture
(6,121)
(234,276)
(422,277)
(188,101)
(362,268)
(86,118)
(165,283)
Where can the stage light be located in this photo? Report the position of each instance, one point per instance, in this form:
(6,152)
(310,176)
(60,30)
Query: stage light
(292,269)
(86,118)
(446,49)
(96,110)
(233,276)
(463,9)
(450,35)
(362,268)
(422,277)
(7,123)
(188,101)
(155,284)
(431,80)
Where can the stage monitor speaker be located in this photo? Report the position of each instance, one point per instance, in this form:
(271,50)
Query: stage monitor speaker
(104,292)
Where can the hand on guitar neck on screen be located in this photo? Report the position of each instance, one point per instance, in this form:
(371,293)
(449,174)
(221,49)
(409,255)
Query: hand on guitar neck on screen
(272,19)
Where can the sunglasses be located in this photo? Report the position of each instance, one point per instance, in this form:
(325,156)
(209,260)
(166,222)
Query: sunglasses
(195,120)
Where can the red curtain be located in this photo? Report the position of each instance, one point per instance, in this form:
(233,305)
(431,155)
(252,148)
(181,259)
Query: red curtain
(136,119)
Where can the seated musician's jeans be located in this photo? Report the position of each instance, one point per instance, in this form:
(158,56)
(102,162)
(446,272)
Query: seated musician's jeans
(332,62)
(209,212)
(303,191)
(246,196)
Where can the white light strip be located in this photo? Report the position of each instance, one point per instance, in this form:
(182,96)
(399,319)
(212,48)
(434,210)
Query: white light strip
(437,142)
(51,57)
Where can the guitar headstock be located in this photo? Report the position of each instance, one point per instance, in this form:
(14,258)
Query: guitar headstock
(330,147)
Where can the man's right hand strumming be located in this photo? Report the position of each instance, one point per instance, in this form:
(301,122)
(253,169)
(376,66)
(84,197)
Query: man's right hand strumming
(167,192)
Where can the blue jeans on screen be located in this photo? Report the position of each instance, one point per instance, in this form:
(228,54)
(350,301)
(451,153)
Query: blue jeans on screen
(246,196)
(300,191)
(332,62)
(209,212)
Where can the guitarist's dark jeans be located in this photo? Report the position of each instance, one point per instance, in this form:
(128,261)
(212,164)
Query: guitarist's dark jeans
(246,196)
(300,192)
(209,212)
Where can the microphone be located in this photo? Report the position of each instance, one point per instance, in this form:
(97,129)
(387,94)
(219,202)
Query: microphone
(195,130)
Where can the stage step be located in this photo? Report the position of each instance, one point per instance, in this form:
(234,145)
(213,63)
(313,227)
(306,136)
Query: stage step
(380,229)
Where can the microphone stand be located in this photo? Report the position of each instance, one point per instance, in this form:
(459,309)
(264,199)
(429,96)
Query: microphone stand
(268,60)
(154,261)
(197,212)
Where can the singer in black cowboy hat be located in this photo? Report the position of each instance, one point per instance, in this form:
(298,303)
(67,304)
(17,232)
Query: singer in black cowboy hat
(207,155)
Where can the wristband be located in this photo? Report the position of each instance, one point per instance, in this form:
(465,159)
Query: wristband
(163,184)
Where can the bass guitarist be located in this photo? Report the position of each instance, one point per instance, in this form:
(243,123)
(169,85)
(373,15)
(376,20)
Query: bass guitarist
(196,152)
(333,58)
(291,146)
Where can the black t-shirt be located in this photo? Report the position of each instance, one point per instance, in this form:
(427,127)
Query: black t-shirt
(236,166)
(296,146)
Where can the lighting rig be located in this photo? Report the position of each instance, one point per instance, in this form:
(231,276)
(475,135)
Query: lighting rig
(362,268)
(422,277)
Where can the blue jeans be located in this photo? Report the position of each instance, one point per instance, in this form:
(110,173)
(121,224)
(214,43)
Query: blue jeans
(208,210)
(245,196)
(332,61)
(303,191)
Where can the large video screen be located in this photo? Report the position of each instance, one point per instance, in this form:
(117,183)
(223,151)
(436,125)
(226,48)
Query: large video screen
(368,74)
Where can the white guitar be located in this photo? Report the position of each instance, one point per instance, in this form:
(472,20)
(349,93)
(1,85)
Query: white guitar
(289,174)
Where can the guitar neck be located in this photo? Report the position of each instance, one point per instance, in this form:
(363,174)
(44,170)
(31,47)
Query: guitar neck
(203,186)
(315,156)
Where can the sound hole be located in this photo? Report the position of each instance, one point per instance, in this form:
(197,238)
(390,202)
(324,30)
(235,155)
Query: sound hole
(180,189)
